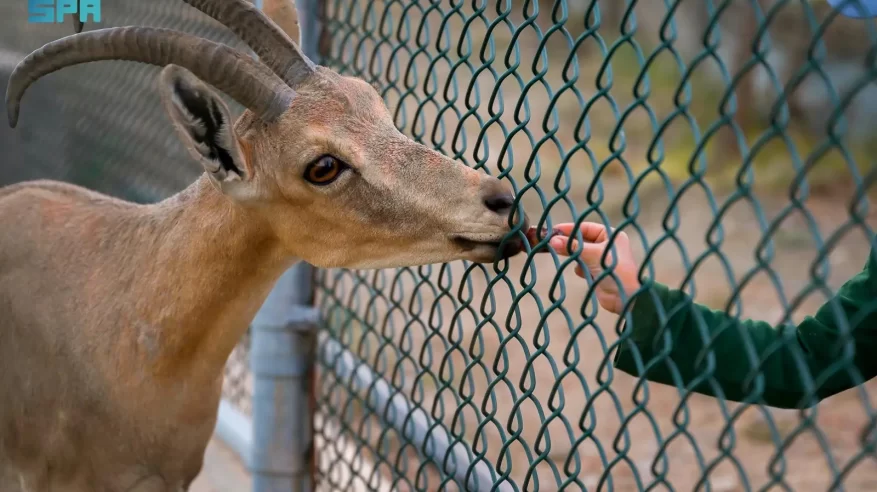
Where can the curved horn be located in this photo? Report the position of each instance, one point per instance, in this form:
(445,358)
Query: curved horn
(266,38)
(245,80)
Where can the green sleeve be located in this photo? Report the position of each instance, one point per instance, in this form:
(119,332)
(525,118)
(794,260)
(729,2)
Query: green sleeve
(671,340)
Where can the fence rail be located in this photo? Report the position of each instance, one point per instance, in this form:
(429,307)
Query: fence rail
(732,142)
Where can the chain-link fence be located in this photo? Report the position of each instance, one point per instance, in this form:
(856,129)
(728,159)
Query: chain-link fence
(101,125)
(732,141)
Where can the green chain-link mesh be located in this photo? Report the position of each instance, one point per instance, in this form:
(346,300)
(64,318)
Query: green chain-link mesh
(731,141)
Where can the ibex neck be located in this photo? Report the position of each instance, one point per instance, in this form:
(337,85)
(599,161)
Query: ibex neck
(213,265)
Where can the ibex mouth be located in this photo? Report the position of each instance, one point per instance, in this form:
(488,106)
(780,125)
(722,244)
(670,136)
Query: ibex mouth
(469,244)
(490,248)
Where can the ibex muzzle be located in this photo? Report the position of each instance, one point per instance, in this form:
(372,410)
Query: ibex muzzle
(117,319)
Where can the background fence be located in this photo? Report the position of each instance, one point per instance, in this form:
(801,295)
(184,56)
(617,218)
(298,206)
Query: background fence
(728,139)
(731,140)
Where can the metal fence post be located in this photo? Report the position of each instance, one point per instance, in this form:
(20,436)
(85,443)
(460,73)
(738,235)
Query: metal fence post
(281,358)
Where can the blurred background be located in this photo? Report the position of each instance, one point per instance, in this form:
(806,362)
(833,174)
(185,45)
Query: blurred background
(731,140)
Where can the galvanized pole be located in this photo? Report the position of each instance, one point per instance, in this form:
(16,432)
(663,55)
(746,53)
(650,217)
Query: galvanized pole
(282,359)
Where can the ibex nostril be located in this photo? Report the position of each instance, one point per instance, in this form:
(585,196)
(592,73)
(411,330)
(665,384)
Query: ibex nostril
(500,204)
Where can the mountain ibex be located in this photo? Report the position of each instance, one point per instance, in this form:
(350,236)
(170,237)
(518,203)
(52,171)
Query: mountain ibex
(117,318)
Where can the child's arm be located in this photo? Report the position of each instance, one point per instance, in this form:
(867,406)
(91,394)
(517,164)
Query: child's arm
(747,360)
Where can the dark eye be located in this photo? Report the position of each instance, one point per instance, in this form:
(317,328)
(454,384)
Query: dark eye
(324,170)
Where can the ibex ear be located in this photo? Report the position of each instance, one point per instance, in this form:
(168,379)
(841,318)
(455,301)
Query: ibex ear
(284,13)
(204,123)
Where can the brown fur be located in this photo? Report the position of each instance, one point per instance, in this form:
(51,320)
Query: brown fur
(117,318)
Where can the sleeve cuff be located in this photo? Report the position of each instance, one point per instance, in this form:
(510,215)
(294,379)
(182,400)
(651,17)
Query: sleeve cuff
(650,309)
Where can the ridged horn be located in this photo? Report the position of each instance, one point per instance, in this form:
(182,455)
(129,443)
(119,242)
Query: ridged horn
(274,47)
(245,80)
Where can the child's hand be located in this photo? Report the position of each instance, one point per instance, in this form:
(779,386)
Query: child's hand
(596,239)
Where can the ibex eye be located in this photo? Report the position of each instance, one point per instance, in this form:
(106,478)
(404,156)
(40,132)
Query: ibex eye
(324,170)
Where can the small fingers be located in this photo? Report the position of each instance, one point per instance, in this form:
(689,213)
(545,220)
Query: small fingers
(591,231)
(590,252)
(558,244)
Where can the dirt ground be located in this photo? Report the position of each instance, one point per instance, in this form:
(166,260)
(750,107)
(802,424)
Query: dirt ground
(517,361)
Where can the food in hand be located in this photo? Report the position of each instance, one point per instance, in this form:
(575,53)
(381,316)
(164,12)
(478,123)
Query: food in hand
(534,236)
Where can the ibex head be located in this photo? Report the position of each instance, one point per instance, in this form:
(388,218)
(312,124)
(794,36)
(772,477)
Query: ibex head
(316,157)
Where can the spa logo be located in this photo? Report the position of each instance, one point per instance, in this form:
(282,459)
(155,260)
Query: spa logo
(56,11)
